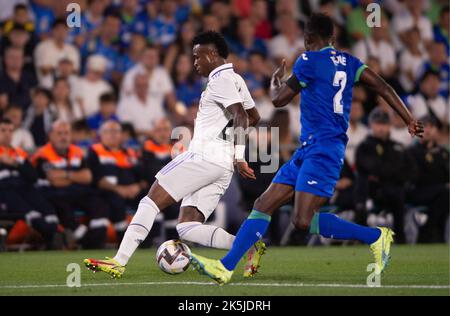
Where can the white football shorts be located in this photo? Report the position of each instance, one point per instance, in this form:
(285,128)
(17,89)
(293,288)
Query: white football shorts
(198,182)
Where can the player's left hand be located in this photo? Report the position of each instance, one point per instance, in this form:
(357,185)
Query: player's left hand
(244,170)
(415,128)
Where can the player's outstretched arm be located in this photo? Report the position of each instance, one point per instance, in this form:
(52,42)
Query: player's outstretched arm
(375,82)
(282,93)
(240,124)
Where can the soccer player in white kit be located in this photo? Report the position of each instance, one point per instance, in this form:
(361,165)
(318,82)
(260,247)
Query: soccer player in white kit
(200,176)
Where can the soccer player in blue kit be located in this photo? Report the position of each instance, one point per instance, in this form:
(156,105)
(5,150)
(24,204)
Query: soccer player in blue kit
(325,77)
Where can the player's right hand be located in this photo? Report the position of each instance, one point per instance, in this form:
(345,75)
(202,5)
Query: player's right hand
(415,128)
(244,170)
(279,73)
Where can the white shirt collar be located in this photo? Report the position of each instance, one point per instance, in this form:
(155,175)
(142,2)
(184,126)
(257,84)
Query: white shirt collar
(219,69)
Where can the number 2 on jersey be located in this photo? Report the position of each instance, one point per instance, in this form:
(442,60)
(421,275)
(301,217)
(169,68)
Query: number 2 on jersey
(340,80)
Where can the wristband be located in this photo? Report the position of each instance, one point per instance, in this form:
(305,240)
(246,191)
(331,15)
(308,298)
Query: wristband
(239,152)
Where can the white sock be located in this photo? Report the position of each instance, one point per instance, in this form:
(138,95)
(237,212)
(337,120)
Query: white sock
(138,230)
(205,235)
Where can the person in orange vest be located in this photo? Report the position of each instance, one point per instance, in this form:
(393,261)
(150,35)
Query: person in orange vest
(157,152)
(117,174)
(18,197)
(65,179)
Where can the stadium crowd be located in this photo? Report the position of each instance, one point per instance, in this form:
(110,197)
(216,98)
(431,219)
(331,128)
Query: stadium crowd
(86,113)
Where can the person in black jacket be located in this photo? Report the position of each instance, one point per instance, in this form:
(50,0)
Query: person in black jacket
(383,168)
(18,198)
(116,173)
(431,181)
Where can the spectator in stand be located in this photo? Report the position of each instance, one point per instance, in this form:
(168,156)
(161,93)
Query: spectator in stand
(428,101)
(19,38)
(65,180)
(87,90)
(222,10)
(259,18)
(91,21)
(20,17)
(441,30)
(163,30)
(160,90)
(245,42)
(117,174)
(66,70)
(412,16)
(21,137)
(108,109)
(62,104)
(438,63)
(188,86)
(18,197)
(377,45)
(50,51)
(82,135)
(15,81)
(411,59)
(357,132)
(139,108)
(129,137)
(132,21)
(39,116)
(289,43)
(210,22)
(106,44)
(43,17)
(131,56)
(431,182)
(357,28)
(182,45)
(383,168)
(7,9)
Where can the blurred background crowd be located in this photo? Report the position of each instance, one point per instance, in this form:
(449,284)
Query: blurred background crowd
(117,86)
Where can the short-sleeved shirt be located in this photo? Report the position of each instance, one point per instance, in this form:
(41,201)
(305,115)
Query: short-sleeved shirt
(327,78)
(224,88)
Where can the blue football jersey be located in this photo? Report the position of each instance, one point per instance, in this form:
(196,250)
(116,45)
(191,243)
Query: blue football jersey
(327,78)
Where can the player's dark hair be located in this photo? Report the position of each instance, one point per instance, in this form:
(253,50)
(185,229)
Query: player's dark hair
(320,25)
(215,38)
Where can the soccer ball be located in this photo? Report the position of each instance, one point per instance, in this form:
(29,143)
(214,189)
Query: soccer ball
(173,256)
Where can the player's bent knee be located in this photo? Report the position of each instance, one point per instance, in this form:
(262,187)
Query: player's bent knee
(301,222)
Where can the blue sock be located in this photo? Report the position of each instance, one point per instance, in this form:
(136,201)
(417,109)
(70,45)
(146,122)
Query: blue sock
(252,230)
(330,226)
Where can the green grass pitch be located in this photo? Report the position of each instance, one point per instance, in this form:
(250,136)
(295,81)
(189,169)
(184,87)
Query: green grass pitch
(414,270)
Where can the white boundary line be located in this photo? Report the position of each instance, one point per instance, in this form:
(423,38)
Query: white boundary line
(297,285)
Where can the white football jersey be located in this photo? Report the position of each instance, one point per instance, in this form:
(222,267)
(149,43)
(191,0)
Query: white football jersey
(224,88)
